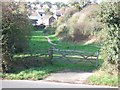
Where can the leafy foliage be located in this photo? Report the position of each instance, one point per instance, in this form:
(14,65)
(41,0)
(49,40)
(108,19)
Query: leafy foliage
(38,73)
(60,4)
(110,50)
(16,28)
(78,26)
(48,3)
(103,78)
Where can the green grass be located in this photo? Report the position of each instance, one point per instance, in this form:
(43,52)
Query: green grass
(30,74)
(73,46)
(37,43)
(103,78)
(42,72)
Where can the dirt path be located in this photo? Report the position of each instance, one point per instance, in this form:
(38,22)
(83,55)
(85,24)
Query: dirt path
(68,76)
(50,41)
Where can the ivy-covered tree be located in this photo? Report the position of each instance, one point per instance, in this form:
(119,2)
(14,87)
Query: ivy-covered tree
(110,17)
(15,29)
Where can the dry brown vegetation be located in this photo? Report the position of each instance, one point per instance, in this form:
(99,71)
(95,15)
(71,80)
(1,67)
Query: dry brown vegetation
(80,26)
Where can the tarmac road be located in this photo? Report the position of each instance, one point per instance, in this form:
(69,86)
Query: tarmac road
(44,84)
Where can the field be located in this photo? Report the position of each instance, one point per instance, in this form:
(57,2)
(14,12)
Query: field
(38,42)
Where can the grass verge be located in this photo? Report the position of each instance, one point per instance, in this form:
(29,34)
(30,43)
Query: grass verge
(30,74)
(103,78)
(39,42)
(41,72)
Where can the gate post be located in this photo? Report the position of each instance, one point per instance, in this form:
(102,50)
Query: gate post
(97,59)
(50,52)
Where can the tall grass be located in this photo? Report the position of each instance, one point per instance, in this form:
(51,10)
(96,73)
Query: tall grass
(103,78)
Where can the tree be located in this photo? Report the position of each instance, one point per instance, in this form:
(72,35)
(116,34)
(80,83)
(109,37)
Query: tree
(73,1)
(16,28)
(60,4)
(46,9)
(76,5)
(84,3)
(110,18)
(48,3)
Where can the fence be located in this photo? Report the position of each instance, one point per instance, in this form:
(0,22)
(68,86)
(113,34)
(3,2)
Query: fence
(66,54)
(35,59)
(81,55)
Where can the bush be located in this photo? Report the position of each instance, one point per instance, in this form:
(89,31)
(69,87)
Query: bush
(41,26)
(49,30)
(61,31)
(67,13)
(110,50)
(22,63)
(103,78)
(79,26)
(16,28)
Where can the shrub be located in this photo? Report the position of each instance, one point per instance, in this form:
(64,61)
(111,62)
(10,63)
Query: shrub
(110,50)
(49,30)
(68,12)
(61,31)
(79,26)
(103,78)
(16,28)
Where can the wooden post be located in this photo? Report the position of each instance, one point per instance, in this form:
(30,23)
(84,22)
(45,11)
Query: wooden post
(97,54)
(31,54)
(50,52)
